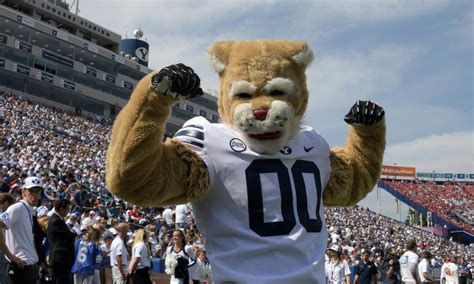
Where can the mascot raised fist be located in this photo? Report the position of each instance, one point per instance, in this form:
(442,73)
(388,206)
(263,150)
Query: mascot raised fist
(258,180)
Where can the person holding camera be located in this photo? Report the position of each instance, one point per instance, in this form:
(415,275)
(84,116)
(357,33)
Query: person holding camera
(391,267)
(177,260)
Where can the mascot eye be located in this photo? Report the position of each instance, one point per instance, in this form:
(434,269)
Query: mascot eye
(277,93)
(243,96)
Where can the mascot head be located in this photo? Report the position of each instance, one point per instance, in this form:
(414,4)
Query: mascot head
(263,92)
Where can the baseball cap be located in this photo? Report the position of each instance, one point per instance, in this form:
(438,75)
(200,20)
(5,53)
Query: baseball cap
(31,182)
(336,248)
(83,227)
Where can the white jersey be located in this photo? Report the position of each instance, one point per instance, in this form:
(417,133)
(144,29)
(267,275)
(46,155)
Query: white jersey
(336,272)
(168,216)
(408,266)
(424,266)
(181,213)
(18,219)
(263,218)
(450,273)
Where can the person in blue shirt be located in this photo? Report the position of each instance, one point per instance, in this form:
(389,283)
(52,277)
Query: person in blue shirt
(88,257)
(365,271)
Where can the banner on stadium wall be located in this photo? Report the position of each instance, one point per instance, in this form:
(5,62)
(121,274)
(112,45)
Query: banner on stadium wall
(89,71)
(23,46)
(445,176)
(396,171)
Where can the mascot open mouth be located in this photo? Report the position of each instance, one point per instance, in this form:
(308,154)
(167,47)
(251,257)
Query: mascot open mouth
(266,136)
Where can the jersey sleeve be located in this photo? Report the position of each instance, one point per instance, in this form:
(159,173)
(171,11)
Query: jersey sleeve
(136,250)
(10,216)
(193,133)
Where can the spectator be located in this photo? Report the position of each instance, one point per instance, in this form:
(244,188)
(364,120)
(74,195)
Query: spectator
(139,267)
(337,270)
(424,268)
(464,272)
(365,270)
(409,263)
(181,216)
(168,216)
(18,220)
(88,254)
(119,255)
(61,243)
(449,271)
(201,271)
(6,200)
(105,249)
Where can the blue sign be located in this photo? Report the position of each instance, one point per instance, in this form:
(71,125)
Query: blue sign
(136,48)
(23,69)
(471,176)
(448,176)
(127,85)
(25,46)
(47,77)
(59,59)
(461,176)
(2,63)
(3,39)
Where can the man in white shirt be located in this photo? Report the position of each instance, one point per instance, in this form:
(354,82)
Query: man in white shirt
(168,215)
(181,215)
(450,271)
(409,263)
(17,221)
(119,255)
(424,268)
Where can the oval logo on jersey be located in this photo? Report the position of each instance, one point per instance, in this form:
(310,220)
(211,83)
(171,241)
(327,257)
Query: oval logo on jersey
(286,150)
(142,54)
(237,145)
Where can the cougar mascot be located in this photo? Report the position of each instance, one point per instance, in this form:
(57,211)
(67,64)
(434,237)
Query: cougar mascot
(257,181)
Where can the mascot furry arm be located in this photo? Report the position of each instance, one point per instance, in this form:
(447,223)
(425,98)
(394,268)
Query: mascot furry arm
(144,170)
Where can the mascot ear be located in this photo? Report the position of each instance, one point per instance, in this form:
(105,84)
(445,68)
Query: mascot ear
(219,55)
(305,56)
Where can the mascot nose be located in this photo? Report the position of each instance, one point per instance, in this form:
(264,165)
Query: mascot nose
(260,113)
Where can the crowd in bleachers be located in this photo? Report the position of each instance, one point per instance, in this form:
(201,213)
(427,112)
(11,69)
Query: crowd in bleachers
(67,151)
(451,201)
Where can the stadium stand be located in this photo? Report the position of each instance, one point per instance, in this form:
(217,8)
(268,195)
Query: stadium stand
(451,201)
(67,151)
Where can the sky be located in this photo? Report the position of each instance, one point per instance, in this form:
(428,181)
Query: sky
(414,58)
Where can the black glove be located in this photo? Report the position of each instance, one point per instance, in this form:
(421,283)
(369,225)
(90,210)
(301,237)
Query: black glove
(364,113)
(177,81)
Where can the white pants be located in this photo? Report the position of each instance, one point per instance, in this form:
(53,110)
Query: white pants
(83,279)
(117,276)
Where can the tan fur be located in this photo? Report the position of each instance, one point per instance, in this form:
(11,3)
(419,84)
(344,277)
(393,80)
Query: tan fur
(143,170)
(356,167)
(258,62)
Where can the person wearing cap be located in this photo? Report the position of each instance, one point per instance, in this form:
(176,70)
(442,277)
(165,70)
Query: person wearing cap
(18,222)
(365,271)
(337,270)
(424,268)
(6,200)
(61,243)
(409,263)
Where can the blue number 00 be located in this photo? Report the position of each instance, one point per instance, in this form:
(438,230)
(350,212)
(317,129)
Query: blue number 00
(255,197)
